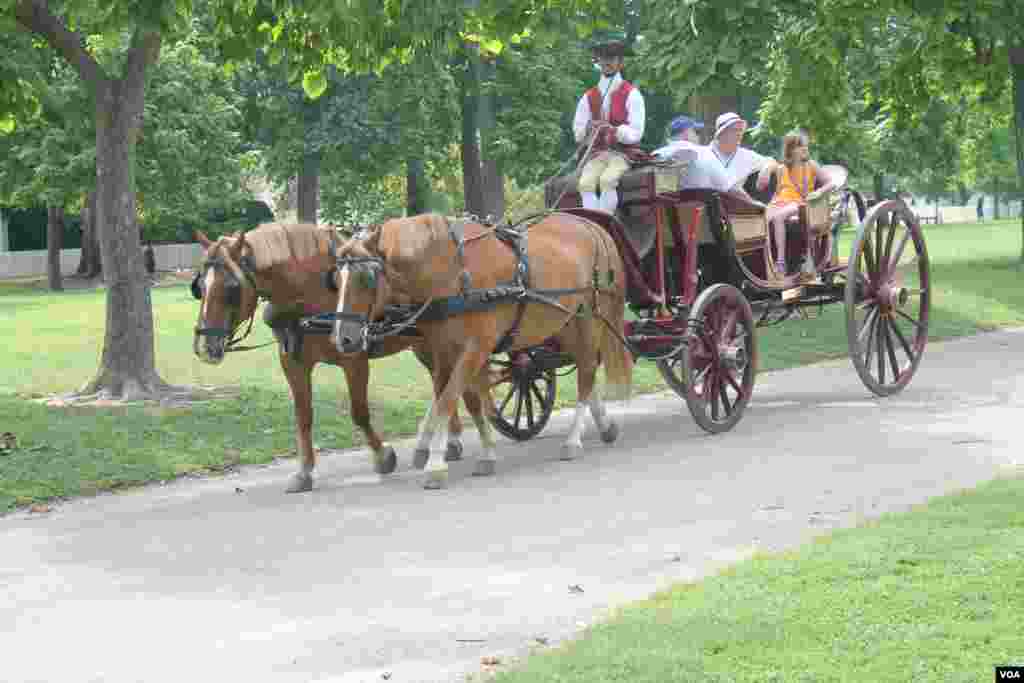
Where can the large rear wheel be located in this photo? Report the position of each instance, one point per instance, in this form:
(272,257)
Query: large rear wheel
(888,298)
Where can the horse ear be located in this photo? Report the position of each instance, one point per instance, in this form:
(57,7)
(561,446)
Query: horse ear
(203,239)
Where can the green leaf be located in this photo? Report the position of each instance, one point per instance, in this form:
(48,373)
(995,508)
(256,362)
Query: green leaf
(314,83)
(7,124)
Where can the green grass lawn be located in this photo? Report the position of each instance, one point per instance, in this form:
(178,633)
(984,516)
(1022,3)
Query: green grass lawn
(53,341)
(931,595)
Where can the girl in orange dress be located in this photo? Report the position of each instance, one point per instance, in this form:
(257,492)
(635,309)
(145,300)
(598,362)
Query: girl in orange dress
(794,182)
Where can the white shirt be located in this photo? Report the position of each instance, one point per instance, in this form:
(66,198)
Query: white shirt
(630,132)
(678,150)
(714,170)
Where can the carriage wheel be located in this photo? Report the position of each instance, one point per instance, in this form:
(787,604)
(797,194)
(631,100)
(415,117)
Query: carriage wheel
(887,298)
(715,371)
(523,395)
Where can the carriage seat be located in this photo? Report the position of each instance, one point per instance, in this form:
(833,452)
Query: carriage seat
(638,189)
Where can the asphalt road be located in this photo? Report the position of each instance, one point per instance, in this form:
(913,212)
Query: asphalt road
(370,579)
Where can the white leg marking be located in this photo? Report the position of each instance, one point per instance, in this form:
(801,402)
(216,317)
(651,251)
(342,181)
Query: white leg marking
(578,425)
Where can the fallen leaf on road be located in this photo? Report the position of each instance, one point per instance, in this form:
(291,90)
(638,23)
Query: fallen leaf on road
(239,489)
(490,660)
(8,442)
(39,508)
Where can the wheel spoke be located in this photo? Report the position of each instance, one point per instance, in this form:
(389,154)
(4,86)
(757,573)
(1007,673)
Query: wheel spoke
(712,395)
(881,352)
(722,392)
(869,319)
(519,408)
(884,262)
(899,249)
(869,260)
(913,322)
(903,341)
(508,397)
(732,381)
(729,326)
(891,350)
(700,380)
(528,401)
(870,346)
(535,390)
(877,242)
(867,303)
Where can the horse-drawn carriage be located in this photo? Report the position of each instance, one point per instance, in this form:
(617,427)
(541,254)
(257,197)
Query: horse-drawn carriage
(700,268)
(693,266)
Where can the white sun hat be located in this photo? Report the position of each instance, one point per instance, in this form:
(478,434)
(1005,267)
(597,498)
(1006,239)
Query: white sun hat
(725,120)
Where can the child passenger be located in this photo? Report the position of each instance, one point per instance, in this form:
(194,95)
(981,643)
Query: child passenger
(794,182)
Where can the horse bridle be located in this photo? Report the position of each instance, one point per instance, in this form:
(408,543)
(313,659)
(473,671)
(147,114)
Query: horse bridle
(372,267)
(233,296)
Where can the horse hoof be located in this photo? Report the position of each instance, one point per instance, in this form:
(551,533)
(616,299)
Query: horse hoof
(300,483)
(484,468)
(611,434)
(454,452)
(436,480)
(420,457)
(385,462)
(571,451)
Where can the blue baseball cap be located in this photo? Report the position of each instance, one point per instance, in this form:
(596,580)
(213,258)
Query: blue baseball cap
(681,123)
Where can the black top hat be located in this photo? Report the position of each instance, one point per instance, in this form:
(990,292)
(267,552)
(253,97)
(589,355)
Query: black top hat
(610,44)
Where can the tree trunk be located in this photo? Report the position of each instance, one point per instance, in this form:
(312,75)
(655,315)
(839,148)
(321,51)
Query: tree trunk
(309,188)
(417,190)
(128,363)
(995,198)
(879,186)
(472,179)
(707,108)
(89,265)
(493,181)
(494,190)
(54,243)
(965,195)
(1017,71)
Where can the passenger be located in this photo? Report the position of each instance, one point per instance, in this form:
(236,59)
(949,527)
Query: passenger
(724,165)
(683,142)
(794,180)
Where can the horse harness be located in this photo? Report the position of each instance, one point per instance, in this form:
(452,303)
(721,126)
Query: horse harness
(469,300)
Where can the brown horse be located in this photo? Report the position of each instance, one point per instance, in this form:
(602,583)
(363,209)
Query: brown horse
(571,287)
(285,264)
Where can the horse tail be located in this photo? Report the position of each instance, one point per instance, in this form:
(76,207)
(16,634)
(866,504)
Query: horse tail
(615,355)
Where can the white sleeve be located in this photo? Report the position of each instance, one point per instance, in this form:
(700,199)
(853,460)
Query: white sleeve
(632,132)
(757,162)
(579,124)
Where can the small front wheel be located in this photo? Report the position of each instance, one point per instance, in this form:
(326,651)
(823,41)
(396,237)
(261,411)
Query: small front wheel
(719,361)
(523,395)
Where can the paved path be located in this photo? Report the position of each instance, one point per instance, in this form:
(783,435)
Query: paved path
(230,580)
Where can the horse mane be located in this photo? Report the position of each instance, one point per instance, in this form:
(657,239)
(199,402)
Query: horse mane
(275,243)
(406,240)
